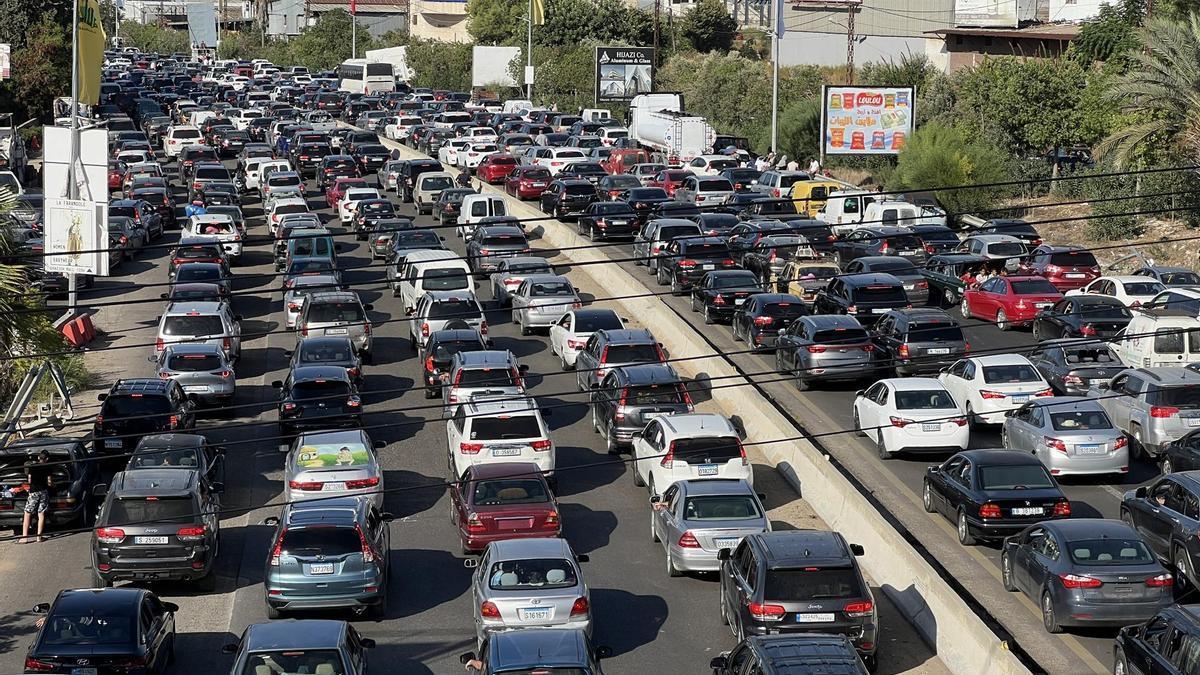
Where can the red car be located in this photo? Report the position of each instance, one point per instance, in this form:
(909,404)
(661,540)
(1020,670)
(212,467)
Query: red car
(495,168)
(116,173)
(506,500)
(527,182)
(1009,301)
(1067,267)
(670,180)
(335,192)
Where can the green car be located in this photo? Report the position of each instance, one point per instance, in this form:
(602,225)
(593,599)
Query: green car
(944,273)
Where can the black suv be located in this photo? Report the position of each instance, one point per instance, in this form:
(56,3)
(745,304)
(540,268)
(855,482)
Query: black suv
(799,581)
(683,261)
(630,396)
(438,353)
(772,654)
(406,182)
(157,524)
(866,296)
(1163,645)
(72,476)
(317,397)
(568,197)
(916,341)
(136,407)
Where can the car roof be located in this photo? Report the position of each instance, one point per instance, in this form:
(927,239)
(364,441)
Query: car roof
(1172,375)
(544,647)
(155,481)
(1091,528)
(871,278)
(317,341)
(504,470)
(715,486)
(1000,360)
(640,374)
(171,441)
(826,321)
(194,306)
(994,238)
(1069,403)
(914,383)
(308,373)
(808,653)
(798,547)
(318,512)
(333,296)
(51,444)
(84,600)
(698,424)
(193,348)
(1000,457)
(521,549)
(626,336)
(304,634)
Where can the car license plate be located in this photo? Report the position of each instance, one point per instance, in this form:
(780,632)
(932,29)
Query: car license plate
(1020,398)
(651,416)
(83,671)
(726,542)
(149,540)
(335,331)
(320,568)
(909,287)
(739,302)
(938,350)
(931,426)
(113,442)
(196,388)
(534,614)
(881,310)
(707,469)
(1043,305)
(1074,275)
(1089,449)
(333,487)
(1027,511)
(505,452)
(814,618)
(708,267)
(1194,421)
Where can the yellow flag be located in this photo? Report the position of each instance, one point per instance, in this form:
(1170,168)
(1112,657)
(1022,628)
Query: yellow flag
(537,12)
(91,51)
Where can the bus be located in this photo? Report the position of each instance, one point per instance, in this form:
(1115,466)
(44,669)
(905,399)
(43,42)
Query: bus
(359,76)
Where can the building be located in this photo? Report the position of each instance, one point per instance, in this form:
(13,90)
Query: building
(175,11)
(286,18)
(953,49)
(444,20)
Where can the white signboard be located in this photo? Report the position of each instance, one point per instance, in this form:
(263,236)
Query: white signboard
(994,13)
(91,176)
(489,66)
(76,231)
(5,61)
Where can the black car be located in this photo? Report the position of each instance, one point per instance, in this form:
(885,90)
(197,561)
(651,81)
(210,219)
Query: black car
(718,293)
(409,240)
(438,352)
(566,197)
(745,236)
(1012,227)
(879,240)
(141,212)
(685,260)
(406,182)
(991,494)
(767,257)
(180,451)
(611,186)
(742,177)
(763,316)
(307,157)
(1164,514)
(674,209)
(134,627)
(1082,316)
(643,200)
(770,208)
(936,239)
(72,478)
(317,397)
(1072,366)
(737,203)
(367,211)
(1146,647)
(917,341)
(592,172)
(231,141)
(370,156)
(327,351)
(799,581)
(866,296)
(630,396)
(717,223)
(333,167)
(606,220)
(449,203)
(204,272)
(159,201)
(135,407)
(790,652)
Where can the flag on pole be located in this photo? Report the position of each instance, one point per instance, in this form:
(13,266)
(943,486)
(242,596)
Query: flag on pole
(91,51)
(353,7)
(537,12)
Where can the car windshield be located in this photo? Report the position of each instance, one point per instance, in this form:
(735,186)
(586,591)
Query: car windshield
(505,427)
(1033,287)
(293,661)
(93,628)
(445,279)
(716,450)
(204,324)
(142,511)
(747,280)
(1109,551)
(1080,420)
(1010,374)
(320,541)
(930,399)
(503,491)
(504,239)
(313,390)
(536,573)
(327,312)
(1015,477)
(721,507)
(193,363)
(455,309)
(795,585)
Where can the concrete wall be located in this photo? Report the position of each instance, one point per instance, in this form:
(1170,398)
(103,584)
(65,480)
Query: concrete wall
(829,49)
(446,21)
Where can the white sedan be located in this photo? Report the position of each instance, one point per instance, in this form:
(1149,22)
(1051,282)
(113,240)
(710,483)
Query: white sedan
(1130,290)
(988,387)
(448,153)
(352,197)
(911,414)
(570,334)
(470,157)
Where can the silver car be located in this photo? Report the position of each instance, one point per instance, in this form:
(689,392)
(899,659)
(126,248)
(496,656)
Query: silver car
(332,464)
(295,297)
(511,272)
(704,190)
(695,519)
(337,313)
(436,310)
(201,369)
(1069,434)
(541,300)
(523,583)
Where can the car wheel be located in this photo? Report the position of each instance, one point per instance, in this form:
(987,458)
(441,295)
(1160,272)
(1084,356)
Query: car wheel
(562,362)
(660,277)
(637,477)
(525,330)
(672,571)
(1049,618)
(964,308)
(1036,331)
(708,317)
(1138,449)
(881,447)
(858,430)
(1167,468)
(692,302)
(1182,565)
(611,445)
(100,582)
(964,531)
(927,498)
(971,421)
(1120,667)
(801,384)
(724,613)
(1002,320)
(653,534)
(676,287)
(274,613)
(1006,573)
(1004,436)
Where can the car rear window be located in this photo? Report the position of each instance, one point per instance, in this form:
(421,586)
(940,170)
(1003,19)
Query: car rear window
(1080,420)
(1176,397)
(1006,249)
(550,289)
(1181,278)
(638,353)
(1010,374)
(1089,355)
(505,427)
(721,507)
(325,351)
(320,541)
(194,363)
(1033,287)
(1142,287)
(444,279)
(185,133)
(670,232)
(536,573)
(1074,259)
(653,394)
(1015,477)
(323,312)
(706,250)
(578,190)
(1109,551)
(98,627)
(135,405)
(414,238)
(706,450)
(1104,310)
(504,239)
(197,253)
(935,332)
(437,183)
(811,584)
(204,324)
(312,390)
(152,510)
(455,309)
(501,491)
(880,293)
(715,185)
(927,399)
(486,377)
(783,310)
(841,336)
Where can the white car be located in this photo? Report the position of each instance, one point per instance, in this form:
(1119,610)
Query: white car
(711,165)
(911,414)
(448,153)
(987,387)
(216,225)
(470,157)
(555,159)
(398,128)
(352,197)
(281,207)
(688,447)
(570,334)
(493,430)
(481,135)
(1130,290)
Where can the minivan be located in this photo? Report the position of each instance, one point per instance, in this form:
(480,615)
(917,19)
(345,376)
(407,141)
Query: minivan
(1159,338)
(431,271)
(474,209)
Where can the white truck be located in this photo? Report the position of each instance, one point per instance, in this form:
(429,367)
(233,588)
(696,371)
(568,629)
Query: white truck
(657,122)
(397,56)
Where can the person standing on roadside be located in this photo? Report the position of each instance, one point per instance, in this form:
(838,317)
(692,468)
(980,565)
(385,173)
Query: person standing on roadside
(37,500)
(814,167)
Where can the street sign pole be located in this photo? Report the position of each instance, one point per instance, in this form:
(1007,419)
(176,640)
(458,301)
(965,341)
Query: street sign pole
(72,184)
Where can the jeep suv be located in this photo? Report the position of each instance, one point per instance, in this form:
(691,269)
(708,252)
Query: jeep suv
(157,524)
(1153,405)
(770,654)
(1164,644)
(136,407)
(630,396)
(607,349)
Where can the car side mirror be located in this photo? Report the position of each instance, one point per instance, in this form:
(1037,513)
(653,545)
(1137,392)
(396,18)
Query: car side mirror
(101,397)
(387,517)
(1141,493)
(151,359)
(762,496)
(654,499)
(41,608)
(367,643)
(524,368)
(860,392)
(163,296)
(582,558)
(379,445)
(603,652)
(857,550)
(271,520)
(723,554)
(170,607)
(471,563)
(220,450)
(288,353)
(99,490)
(466,657)
(237,317)
(277,384)
(230,648)
(217,487)
(410,311)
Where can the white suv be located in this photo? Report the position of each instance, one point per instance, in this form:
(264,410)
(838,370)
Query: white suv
(491,431)
(688,447)
(987,387)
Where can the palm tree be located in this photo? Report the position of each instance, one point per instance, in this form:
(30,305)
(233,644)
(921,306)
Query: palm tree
(1160,92)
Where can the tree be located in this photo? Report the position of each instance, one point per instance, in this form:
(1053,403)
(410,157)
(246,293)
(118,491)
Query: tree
(941,155)
(496,22)
(440,65)
(325,44)
(41,70)
(18,17)
(1111,34)
(800,129)
(571,23)
(152,38)
(709,27)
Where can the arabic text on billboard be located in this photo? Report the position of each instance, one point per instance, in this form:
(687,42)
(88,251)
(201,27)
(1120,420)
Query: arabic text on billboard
(623,72)
(866,120)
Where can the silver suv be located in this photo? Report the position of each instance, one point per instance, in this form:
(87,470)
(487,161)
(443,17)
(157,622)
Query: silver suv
(439,310)
(337,313)
(196,322)
(1153,405)
(201,369)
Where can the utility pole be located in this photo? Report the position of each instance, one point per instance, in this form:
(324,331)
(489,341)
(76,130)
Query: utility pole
(657,51)
(72,185)
(851,10)
(776,34)
(529,56)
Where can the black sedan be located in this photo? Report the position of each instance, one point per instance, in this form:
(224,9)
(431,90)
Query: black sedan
(606,220)
(761,319)
(369,210)
(370,156)
(72,480)
(720,292)
(1182,454)
(1072,366)
(104,631)
(1086,572)
(990,494)
(685,260)
(438,352)
(186,451)
(1082,316)
(327,351)
(716,223)
(318,397)
(203,272)
(1164,515)
(643,200)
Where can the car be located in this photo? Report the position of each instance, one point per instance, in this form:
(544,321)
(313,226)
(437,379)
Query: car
(139,628)
(1081,317)
(1086,572)
(916,286)
(449,204)
(719,293)
(511,271)
(611,348)
(130,238)
(1073,366)
(604,220)
(185,452)
(529,583)
(696,519)
(1009,301)
(327,351)
(429,187)
(1143,647)
(380,237)
(866,296)
(704,190)
(989,386)
(1131,291)
(367,212)
(437,354)
(326,463)
(1154,406)
(798,581)
(72,477)
(910,415)
(317,397)
(292,646)
(1069,434)
(824,348)
(334,167)
(527,181)
(494,428)
(570,334)
(485,373)
(669,180)
(541,300)
(550,649)
(611,186)
(307,266)
(297,294)
(157,525)
(775,653)
(1161,514)
(651,241)
(1065,267)
(805,278)
(992,494)
(644,200)
(329,554)
(770,254)
(565,197)
(685,260)
(881,240)
(490,244)
(335,193)
(1182,301)
(196,322)
(1169,276)
(764,316)
(134,407)
(203,369)
(337,313)
(350,200)
(502,501)
(630,396)
(917,341)
(687,446)
(438,310)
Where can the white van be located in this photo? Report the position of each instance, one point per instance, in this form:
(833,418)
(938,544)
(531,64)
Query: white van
(609,135)
(180,136)
(899,213)
(432,271)
(516,105)
(594,114)
(1159,338)
(474,209)
(846,207)
(199,117)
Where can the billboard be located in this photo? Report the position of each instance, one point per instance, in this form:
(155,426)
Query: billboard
(489,66)
(623,72)
(866,120)
(91,176)
(994,13)
(202,24)
(5,61)
(76,233)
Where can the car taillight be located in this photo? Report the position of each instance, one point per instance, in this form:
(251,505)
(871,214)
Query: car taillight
(1161,581)
(928,248)
(225,374)
(540,446)
(1072,379)
(857,610)
(580,607)
(960,421)
(719,301)
(475,524)
(164,376)
(424,330)
(1163,411)
(1120,443)
(110,535)
(764,612)
(867,347)
(1044,393)
(470,448)
(173,421)
(1087,329)
(668,459)
(124,239)
(293,307)
(488,610)
(35,666)
(1053,269)
(685,263)
(1079,581)
(763,321)
(688,540)
(900,422)
(1062,509)
(191,532)
(816,349)
(903,352)
(1055,444)
(989,511)
(306,486)
(988,394)
(852,309)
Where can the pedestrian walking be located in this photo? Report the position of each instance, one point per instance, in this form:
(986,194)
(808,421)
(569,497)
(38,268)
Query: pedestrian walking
(37,499)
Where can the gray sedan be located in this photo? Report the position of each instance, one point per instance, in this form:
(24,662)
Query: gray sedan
(201,369)
(1086,572)
(695,519)
(324,464)
(542,299)
(511,272)
(1069,434)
